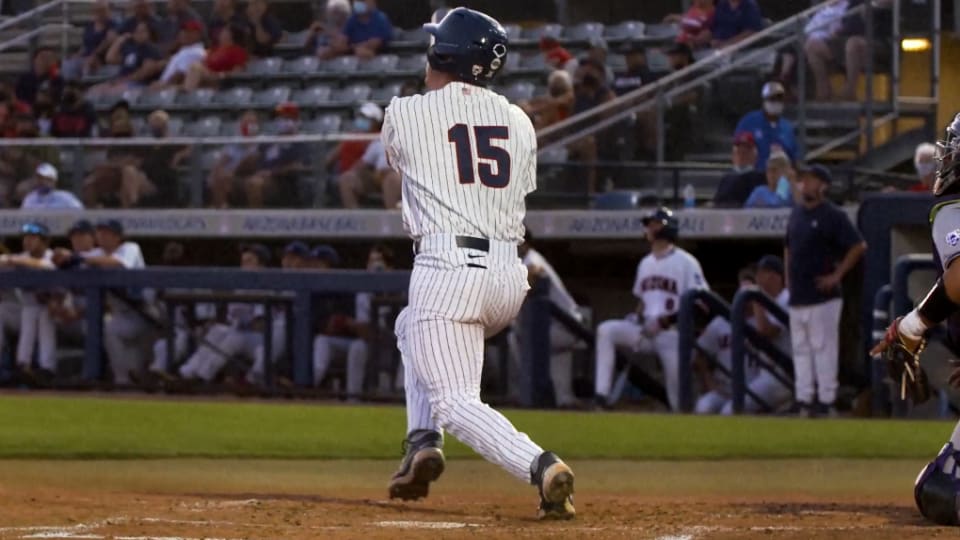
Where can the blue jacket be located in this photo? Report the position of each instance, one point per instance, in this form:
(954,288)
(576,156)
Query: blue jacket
(766,135)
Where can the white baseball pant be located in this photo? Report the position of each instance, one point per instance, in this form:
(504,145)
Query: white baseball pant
(37,329)
(458,297)
(126,339)
(181,340)
(767,388)
(629,335)
(815,332)
(353,350)
(205,363)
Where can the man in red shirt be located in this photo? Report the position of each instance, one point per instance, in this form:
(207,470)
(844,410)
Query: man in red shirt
(229,56)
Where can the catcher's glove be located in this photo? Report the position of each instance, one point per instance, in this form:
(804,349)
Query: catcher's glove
(903,363)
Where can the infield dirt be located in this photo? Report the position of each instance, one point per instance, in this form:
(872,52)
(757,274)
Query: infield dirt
(270,499)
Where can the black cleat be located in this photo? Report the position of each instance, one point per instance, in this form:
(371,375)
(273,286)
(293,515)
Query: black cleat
(423,462)
(554,479)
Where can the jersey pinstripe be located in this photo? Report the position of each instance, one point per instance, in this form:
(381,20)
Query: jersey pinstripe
(416,134)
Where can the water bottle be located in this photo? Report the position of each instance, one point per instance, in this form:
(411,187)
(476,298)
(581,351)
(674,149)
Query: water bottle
(689,197)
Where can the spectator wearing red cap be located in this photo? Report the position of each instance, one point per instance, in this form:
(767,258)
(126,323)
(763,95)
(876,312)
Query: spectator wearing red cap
(191,52)
(229,56)
(737,185)
(179,12)
(556,55)
(694,24)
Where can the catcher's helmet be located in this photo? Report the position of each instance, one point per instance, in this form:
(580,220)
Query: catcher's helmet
(947,159)
(468,44)
(665,217)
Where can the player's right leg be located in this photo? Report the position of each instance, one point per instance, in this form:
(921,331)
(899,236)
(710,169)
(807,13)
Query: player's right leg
(802,359)
(610,335)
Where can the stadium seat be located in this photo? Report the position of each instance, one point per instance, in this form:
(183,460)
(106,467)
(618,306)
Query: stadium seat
(294,40)
(758,61)
(272,96)
(199,98)
(265,67)
(514,31)
(229,128)
(379,64)
(342,64)
(537,32)
(160,99)
(657,61)
(512,63)
(617,200)
(385,93)
(625,30)
(327,123)
(519,91)
(208,126)
(555,155)
(617,62)
(413,36)
(534,62)
(235,97)
(305,65)
(354,93)
(175,126)
(584,31)
(106,72)
(312,96)
(661,31)
(410,64)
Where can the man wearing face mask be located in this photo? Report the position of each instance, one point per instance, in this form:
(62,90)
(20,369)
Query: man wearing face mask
(768,126)
(368,30)
(822,246)
(777,192)
(45,196)
(75,117)
(736,186)
(925,163)
(372,173)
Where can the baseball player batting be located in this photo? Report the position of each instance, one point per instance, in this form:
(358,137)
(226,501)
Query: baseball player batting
(937,489)
(662,277)
(468,159)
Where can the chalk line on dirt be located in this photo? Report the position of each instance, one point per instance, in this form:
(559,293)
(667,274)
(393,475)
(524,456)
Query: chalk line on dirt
(425,524)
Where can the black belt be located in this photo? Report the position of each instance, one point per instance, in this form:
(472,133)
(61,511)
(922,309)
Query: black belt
(466,242)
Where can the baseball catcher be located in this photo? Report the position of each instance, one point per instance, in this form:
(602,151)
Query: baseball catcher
(937,490)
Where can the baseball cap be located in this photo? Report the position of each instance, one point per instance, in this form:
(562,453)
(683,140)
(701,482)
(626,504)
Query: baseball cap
(35,228)
(82,226)
(323,252)
(288,109)
(192,25)
(744,137)
(297,248)
(771,263)
(260,251)
(111,225)
(372,111)
(772,89)
(47,170)
(817,171)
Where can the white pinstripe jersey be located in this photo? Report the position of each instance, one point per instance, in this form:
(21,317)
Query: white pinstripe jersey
(468,159)
(661,281)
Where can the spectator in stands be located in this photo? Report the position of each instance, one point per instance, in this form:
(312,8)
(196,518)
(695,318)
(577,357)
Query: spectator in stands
(556,105)
(191,52)
(694,24)
(368,30)
(119,180)
(737,185)
(856,50)
(280,163)
(372,174)
(236,163)
(43,110)
(599,52)
(770,130)
(139,59)
(19,164)
(265,28)
(45,196)
(348,153)
(160,162)
(778,191)
(824,35)
(179,13)
(223,14)
(44,74)
(733,21)
(141,11)
(822,246)
(98,34)
(36,327)
(326,36)
(557,56)
(75,116)
(637,73)
(127,335)
(925,163)
(228,57)
(589,91)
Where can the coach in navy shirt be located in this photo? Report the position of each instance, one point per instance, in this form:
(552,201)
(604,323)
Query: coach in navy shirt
(734,21)
(822,246)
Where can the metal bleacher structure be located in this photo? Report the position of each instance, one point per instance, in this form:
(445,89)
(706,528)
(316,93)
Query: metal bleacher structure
(726,84)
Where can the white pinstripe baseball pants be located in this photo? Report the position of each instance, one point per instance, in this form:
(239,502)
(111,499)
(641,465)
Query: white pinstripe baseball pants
(458,297)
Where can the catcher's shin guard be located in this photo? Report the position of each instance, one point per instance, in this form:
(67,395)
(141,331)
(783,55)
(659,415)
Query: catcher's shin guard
(938,493)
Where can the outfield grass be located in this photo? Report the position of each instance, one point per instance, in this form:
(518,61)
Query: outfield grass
(86,427)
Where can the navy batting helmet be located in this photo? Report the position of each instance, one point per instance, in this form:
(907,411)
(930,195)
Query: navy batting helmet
(665,217)
(468,44)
